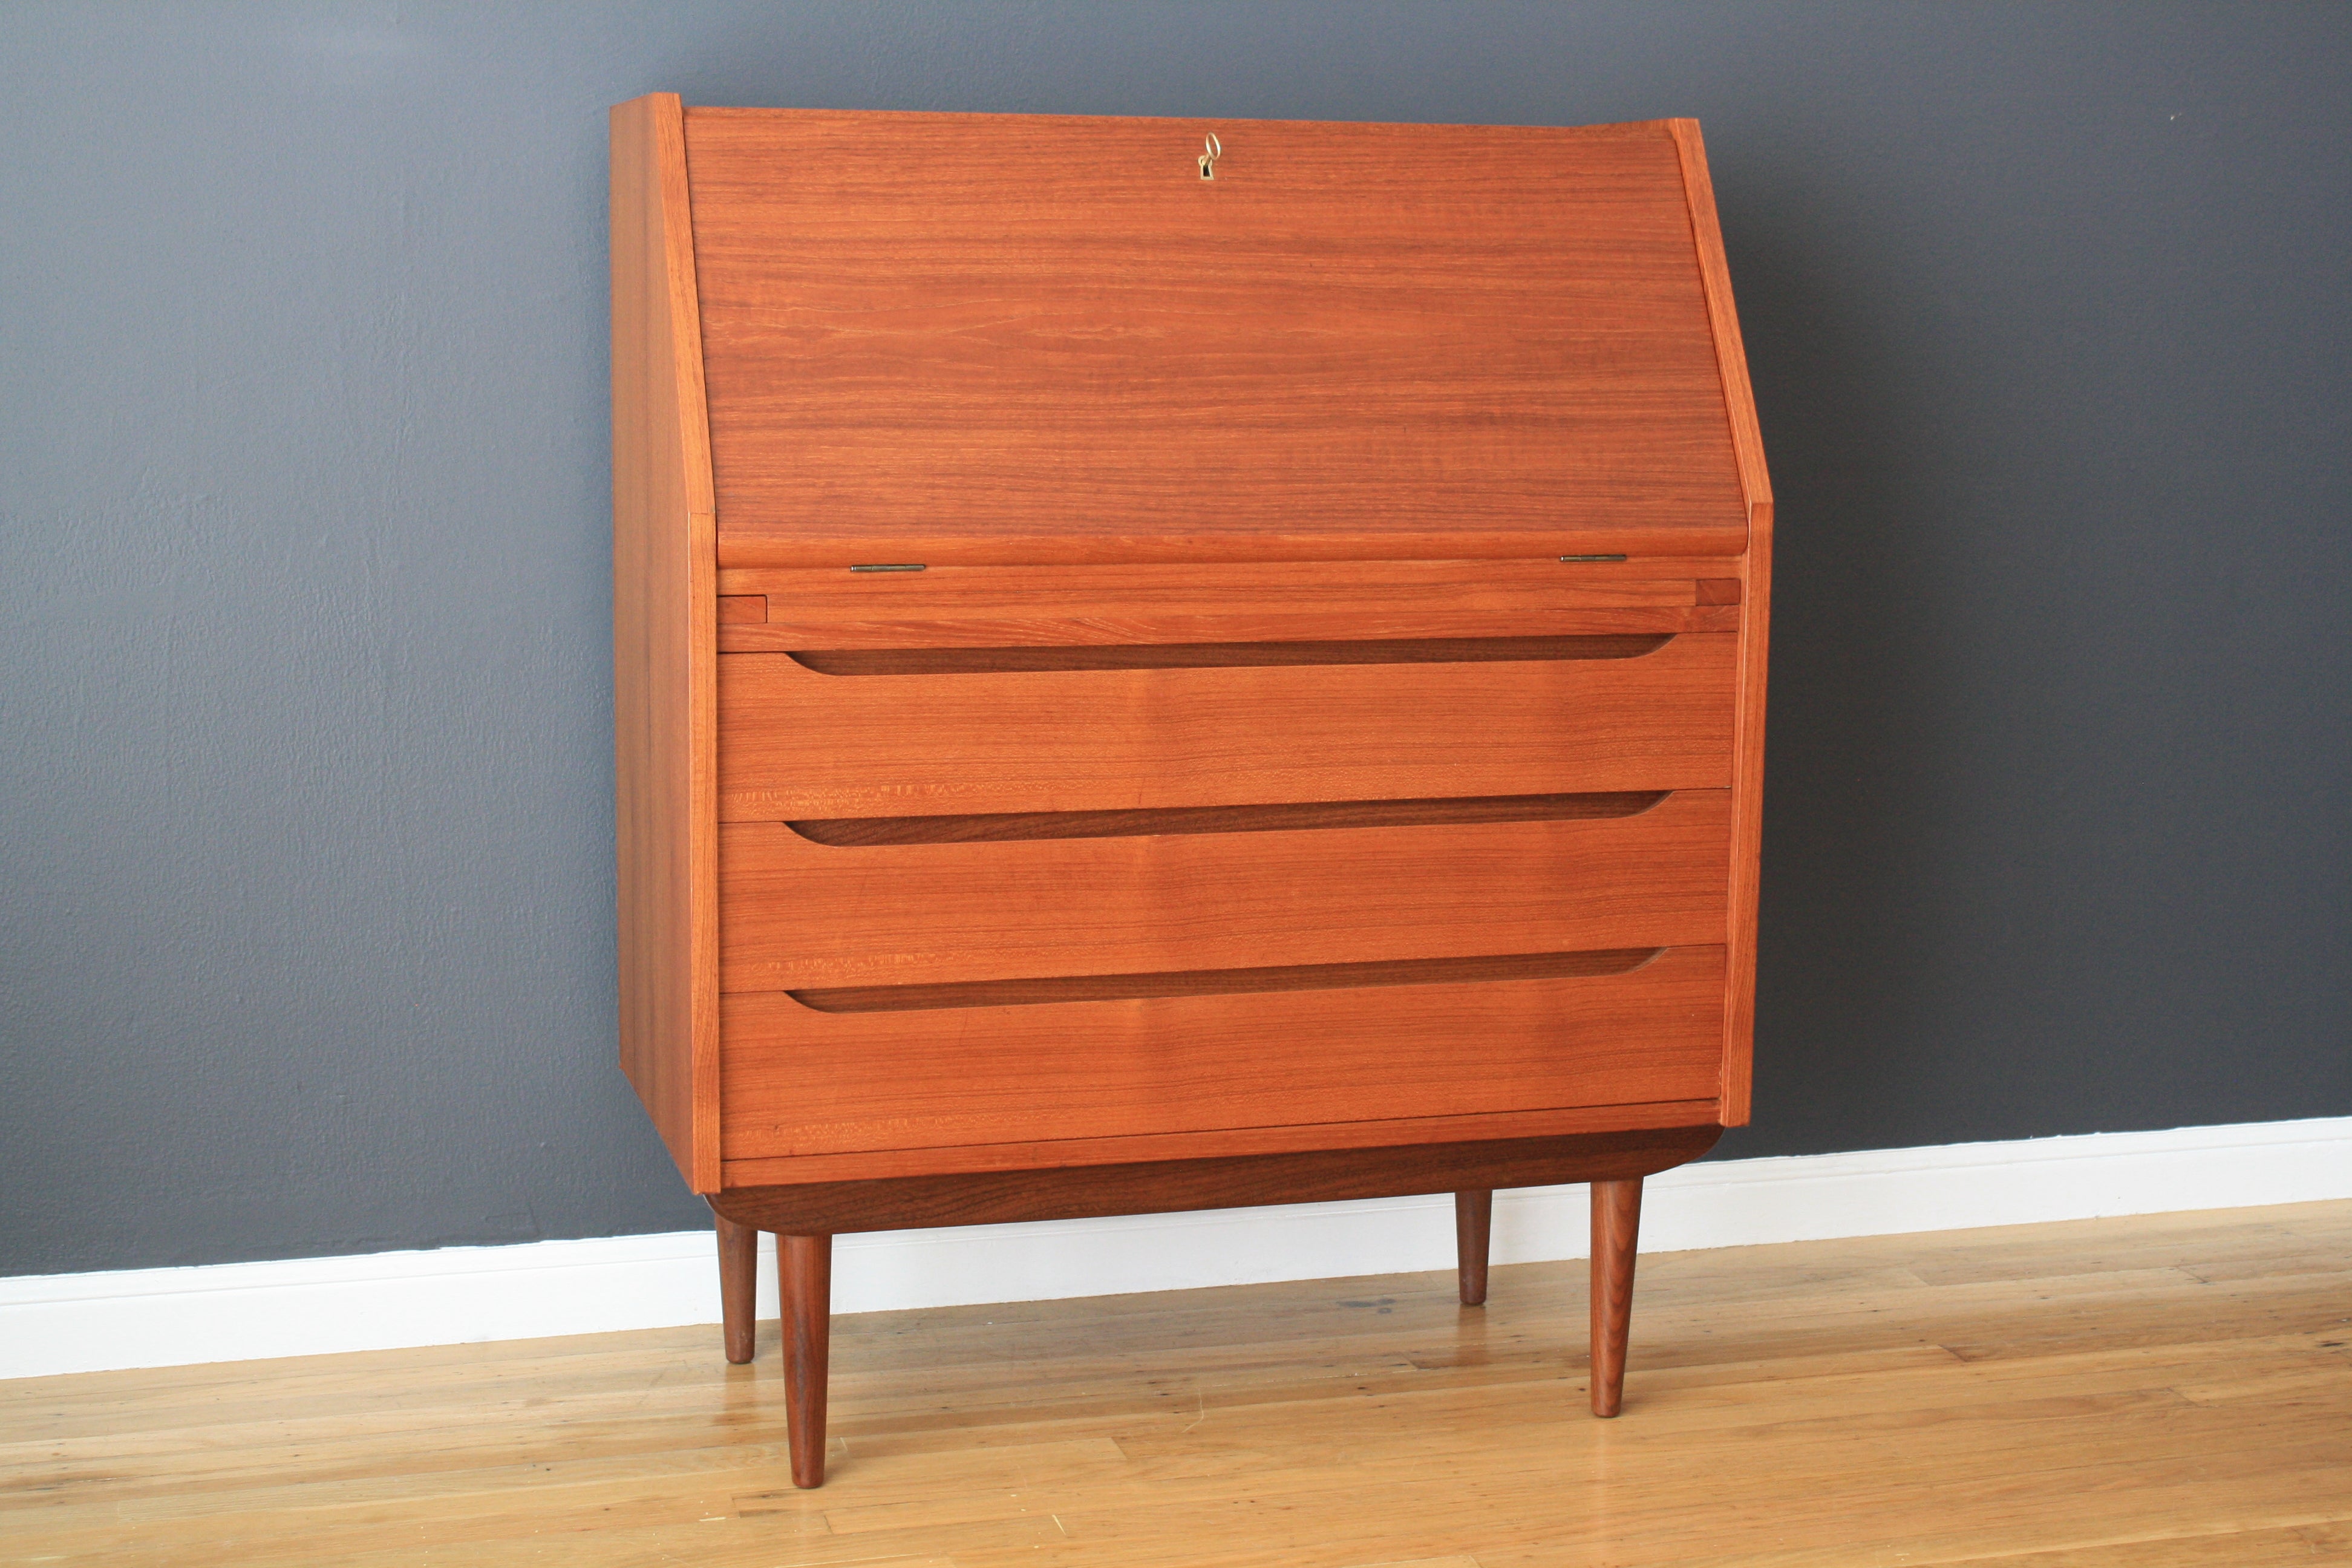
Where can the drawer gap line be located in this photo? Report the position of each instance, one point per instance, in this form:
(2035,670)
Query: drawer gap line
(1224,981)
(999,828)
(1042,659)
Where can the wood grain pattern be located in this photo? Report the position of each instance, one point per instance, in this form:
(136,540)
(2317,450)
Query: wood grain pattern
(1169,1186)
(1390,340)
(664,645)
(742,609)
(1332,626)
(1716,590)
(800,744)
(992,827)
(1260,601)
(952,592)
(817,550)
(1081,1153)
(800,914)
(804,1082)
(2154,1392)
(1755,575)
(1263,601)
(1364,587)
(1616,1227)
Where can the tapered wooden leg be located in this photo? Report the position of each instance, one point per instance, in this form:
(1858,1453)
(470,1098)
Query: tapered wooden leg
(1616,1216)
(739,1265)
(804,1269)
(1473,1214)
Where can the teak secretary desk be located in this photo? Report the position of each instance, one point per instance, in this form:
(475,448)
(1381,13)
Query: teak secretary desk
(1171,665)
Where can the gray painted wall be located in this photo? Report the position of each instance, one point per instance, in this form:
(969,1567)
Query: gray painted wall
(306,943)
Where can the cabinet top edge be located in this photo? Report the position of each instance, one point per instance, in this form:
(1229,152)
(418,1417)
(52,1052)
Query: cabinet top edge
(1629,128)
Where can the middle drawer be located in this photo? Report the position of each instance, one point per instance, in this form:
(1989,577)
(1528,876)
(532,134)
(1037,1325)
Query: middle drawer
(1592,714)
(796,914)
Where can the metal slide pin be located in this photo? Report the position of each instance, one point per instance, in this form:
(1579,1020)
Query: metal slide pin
(912,566)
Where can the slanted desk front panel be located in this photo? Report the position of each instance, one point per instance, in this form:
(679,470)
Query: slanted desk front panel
(1022,338)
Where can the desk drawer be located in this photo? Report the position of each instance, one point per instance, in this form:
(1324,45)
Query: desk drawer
(798,1081)
(796,914)
(794,742)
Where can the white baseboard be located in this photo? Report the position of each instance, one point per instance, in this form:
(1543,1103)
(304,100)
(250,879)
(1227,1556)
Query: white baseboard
(238,1312)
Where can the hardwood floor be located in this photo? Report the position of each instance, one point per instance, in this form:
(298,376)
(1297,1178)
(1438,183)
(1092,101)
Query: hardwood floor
(2114,1393)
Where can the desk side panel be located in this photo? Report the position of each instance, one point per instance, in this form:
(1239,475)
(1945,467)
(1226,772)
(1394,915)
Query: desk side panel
(1755,629)
(665,646)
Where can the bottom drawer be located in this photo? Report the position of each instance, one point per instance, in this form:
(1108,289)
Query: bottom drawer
(797,1082)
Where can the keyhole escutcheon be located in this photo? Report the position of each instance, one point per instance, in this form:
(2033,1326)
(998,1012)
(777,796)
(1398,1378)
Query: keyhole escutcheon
(1213,150)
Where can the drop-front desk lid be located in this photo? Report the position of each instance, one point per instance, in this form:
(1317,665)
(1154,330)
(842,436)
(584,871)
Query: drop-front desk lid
(1014,338)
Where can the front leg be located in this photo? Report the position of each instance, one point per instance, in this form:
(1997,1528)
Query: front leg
(1616,1216)
(804,1271)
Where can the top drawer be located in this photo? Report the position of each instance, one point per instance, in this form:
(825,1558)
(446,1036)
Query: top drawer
(796,741)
